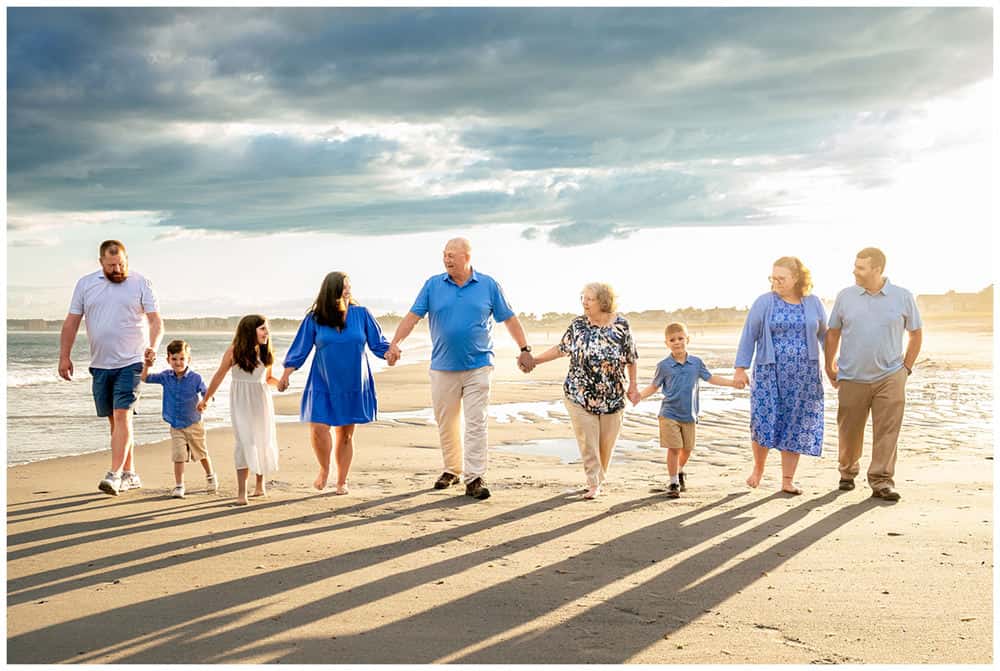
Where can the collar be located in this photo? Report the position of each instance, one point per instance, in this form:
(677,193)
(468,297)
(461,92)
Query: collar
(885,285)
(474,277)
(675,362)
(187,371)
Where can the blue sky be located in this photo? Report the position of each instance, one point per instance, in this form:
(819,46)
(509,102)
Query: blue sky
(674,152)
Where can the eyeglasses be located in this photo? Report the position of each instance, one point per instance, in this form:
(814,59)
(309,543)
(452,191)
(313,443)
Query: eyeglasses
(778,280)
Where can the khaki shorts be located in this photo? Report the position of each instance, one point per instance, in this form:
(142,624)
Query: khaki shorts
(188,444)
(676,435)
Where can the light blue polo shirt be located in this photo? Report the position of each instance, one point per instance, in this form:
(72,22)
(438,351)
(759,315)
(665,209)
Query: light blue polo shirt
(461,319)
(679,384)
(872,325)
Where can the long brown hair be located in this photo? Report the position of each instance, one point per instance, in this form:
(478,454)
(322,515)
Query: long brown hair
(329,308)
(246,351)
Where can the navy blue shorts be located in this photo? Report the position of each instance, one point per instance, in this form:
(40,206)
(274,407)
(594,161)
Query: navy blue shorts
(115,388)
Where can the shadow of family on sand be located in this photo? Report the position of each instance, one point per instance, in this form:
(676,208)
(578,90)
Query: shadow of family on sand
(216,623)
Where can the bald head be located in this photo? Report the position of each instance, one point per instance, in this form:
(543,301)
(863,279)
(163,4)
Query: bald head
(458,259)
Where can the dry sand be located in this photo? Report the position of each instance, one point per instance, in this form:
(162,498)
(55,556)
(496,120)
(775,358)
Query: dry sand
(398,572)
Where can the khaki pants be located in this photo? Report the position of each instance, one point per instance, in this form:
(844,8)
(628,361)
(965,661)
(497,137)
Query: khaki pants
(454,393)
(595,436)
(885,400)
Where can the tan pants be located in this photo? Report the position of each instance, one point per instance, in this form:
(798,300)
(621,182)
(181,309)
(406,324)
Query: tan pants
(885,400)
(454,393)
(595,436)
(676,435)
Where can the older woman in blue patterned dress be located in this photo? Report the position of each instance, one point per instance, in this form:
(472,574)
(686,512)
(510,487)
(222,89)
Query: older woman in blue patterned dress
(786,327)
(600,349)
(340,389)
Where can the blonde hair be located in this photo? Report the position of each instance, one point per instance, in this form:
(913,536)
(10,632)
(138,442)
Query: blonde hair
(604,295)
(675,327)
(804,284)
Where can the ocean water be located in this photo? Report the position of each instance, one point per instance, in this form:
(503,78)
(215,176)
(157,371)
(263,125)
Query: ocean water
(48,417)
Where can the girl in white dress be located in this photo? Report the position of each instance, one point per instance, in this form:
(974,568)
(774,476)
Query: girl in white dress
(250,358)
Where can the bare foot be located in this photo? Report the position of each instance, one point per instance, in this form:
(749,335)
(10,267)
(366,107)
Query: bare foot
(593,492)
(790,487)
(341,490)
(242,502)
(754,479)
(256,494)
(319,483)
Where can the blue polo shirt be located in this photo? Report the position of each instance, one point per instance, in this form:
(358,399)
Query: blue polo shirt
(461,319)
(871,330)
(180,396)
(679,384)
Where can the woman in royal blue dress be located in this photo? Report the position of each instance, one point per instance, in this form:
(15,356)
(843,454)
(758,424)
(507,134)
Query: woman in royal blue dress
(786,326)
(340,390)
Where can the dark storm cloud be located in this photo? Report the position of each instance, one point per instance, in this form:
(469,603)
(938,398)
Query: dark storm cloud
(591,99)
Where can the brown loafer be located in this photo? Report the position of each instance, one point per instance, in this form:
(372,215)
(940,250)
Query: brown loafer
(886,494)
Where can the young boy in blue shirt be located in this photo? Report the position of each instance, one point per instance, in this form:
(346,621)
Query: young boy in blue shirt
(677,377)
(182,390)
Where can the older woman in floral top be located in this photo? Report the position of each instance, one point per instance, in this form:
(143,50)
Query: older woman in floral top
(601,349)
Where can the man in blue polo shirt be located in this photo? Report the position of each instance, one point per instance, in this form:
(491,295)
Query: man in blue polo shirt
(463,305)
(870,374)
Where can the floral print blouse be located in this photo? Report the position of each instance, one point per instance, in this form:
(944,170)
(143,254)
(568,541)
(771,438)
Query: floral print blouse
(598,356)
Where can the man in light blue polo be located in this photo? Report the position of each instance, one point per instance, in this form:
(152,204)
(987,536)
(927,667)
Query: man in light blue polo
(867,323)
(463,305)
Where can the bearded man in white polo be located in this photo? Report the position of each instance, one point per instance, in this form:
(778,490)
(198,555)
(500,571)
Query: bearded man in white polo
(117,305)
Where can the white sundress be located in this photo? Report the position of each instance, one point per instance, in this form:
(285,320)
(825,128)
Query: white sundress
(252,411)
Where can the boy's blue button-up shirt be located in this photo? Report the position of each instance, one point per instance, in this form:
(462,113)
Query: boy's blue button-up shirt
(461,319)
(679,384)
(180,396)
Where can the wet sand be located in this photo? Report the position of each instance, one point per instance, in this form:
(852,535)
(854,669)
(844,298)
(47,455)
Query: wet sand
(396,572)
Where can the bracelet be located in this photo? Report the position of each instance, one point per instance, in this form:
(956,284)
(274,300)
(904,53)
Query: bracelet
(909,371)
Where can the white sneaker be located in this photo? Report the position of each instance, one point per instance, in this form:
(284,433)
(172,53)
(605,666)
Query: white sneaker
(130,480)
(212,483)
(178,492)
(111,483)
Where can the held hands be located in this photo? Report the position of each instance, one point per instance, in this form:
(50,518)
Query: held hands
(740,379)
(202,404)
(149,356)
(393,355)
(831,373)
(526,362)
(283,383)
(633,395)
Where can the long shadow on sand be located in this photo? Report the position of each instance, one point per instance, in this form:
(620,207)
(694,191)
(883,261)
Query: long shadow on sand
(480,627)
(159,618)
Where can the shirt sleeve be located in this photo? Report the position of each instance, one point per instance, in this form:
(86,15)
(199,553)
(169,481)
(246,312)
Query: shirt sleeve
(911,314)
(148,297)
(566,344)
(303,343)
(158,378)
(501,308)
(751,333)
(422,303)
(836,318)
(373,334)
(76,306)
(628,345)
(703,372)
(821,324)
(201,387)
(659,377)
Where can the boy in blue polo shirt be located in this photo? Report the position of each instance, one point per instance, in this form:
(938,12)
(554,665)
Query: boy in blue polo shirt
(182,390)
(677,377)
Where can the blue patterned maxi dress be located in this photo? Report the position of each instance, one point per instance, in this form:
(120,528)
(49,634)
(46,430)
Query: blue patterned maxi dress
(786,397)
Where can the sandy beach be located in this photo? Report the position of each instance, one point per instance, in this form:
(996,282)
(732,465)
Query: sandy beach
(396,572)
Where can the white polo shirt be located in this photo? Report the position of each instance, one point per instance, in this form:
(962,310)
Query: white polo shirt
(115,317)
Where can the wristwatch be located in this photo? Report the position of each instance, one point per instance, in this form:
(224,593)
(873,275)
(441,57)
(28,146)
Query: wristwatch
(909,371)
(526,348)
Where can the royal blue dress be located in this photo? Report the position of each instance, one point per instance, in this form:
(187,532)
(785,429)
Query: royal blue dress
(786,396)
(340,389)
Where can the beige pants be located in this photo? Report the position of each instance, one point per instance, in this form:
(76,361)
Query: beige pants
(454,393)
(885,400)
(595,436)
